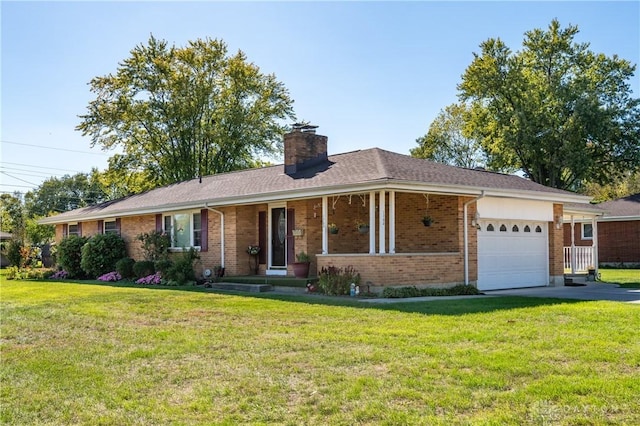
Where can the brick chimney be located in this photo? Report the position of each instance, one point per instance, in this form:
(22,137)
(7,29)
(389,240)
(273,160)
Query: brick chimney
(303,148)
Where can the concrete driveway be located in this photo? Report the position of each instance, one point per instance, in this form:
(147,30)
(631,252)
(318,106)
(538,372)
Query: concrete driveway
(592,291)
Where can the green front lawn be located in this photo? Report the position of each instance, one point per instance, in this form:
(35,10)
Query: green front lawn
(101,354)
(629,278)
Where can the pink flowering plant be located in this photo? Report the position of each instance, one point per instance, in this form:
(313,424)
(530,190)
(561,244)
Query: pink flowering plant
(110,276)
(150,279)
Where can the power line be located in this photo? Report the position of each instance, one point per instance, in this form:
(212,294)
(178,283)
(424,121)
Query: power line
(41,167)
(17,178)
(17,171)
(55,149)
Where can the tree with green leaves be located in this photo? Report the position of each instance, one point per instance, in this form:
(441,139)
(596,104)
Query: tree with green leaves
(57,195)
(183,112)
(559,112)
(449,142)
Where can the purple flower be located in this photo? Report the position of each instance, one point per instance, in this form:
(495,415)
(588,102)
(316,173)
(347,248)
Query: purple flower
(110,276)
(150,279)
(59,275)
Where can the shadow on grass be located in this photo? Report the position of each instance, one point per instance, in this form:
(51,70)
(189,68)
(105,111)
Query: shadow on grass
(462,306)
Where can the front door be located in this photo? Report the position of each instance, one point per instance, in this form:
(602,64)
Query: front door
(278,237)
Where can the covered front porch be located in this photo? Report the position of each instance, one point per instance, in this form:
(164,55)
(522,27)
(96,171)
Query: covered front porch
(385,237)
(580,239)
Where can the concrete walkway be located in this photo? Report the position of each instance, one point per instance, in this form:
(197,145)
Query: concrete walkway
(592,291)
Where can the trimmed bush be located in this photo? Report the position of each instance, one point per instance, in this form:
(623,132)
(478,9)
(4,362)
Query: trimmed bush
(69,255)
(14,253)
(124,267)
(163,266)
(143,268)
(181,272)
(402,292)
(100,254)
(155,245)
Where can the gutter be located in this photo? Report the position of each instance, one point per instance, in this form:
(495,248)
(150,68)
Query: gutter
(206,206)
(466,237)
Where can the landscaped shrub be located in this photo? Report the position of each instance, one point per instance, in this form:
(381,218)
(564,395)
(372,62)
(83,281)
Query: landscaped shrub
(124,267)
(181,272)
(412,291)
(101,252)
(163,266)
(155,245)
(15,273)
(337,281)
(143,268)
(69,255)
(14,253)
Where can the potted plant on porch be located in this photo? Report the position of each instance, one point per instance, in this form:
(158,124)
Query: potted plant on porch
(301,266)
(333,228)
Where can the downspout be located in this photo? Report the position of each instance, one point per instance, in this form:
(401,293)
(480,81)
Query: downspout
(206,206)
(466,237)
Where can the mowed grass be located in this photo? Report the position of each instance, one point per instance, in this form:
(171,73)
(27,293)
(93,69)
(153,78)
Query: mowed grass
(629,278)
(100,354)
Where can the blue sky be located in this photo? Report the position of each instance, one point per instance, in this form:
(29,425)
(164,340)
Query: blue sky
(370,74)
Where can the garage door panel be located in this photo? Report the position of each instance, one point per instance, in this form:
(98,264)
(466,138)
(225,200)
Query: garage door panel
(512,258)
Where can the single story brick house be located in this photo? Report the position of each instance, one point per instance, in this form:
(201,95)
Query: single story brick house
(488,229)
(613,239)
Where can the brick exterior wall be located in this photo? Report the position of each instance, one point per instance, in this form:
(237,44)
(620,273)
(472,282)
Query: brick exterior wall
(424,255)
(578,235)
(556,249)
(619,242)
(416,269)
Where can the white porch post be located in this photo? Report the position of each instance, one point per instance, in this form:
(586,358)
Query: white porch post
(372,222)
(325,217)
(382,223)
(573,246)
(594,242)
(392,222)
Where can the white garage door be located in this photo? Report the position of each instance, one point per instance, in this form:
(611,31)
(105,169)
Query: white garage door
(512,254)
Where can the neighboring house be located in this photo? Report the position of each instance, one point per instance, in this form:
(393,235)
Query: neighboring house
(489,229)
(4,238)
(616,234)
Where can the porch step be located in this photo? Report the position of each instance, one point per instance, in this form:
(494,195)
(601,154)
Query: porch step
(251,288)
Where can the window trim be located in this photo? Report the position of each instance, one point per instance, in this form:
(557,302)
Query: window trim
(582,233)
(191,214)
(69,225)
(115,230)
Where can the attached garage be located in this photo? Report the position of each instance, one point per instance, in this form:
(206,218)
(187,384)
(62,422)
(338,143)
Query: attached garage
(512,254)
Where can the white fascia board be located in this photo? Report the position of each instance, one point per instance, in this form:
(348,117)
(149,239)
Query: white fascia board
(606,218)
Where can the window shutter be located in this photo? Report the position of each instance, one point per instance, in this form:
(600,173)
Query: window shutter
(159,222)
(65,230)
(118,225)
(101,227)
(80,229)
(204,230)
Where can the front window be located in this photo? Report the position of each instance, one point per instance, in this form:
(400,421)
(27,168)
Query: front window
(73,229)
(185,229)
(110,227)
(587,231)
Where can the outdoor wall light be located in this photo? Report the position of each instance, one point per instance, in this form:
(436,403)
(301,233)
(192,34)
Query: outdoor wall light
(558,221)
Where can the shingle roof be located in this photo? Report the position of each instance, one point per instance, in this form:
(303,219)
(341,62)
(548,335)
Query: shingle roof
(357,168)
(622,207)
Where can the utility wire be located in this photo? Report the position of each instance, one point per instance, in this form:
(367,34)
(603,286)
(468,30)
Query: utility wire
(53,148)
(17,178)
(41,167)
